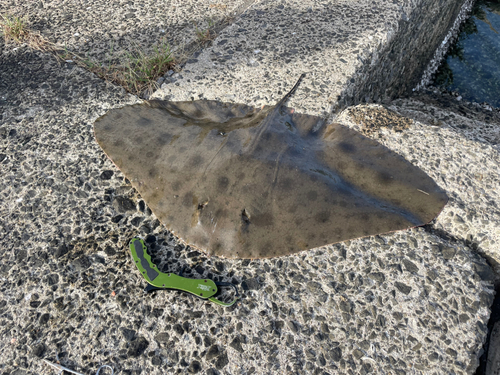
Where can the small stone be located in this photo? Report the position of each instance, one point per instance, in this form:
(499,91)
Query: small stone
(463,318)
(357,353)
(150,238)
(194,367)
(109,251)
(123,204)
(433,357)
(377,276)
(403,288)
(52,279)
(410,266)
(156,361)
(236,345)
(82,263)
(44,319)
(117,218)
(212,352)
(128,334)
(162,337)
(293,326)
(336,354)
(136,221)
(61,250)
(484,271)
(451,352)
(250,284)
(314,287)
(178,329)
(448,252)
(106,175)
(38,350)
(346,306)
(222,361)
(380,321)
(21,255)
(137,347)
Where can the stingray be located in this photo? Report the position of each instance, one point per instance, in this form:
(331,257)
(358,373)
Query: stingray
(243,182)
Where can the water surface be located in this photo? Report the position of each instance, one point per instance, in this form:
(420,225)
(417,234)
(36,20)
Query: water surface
(472,66)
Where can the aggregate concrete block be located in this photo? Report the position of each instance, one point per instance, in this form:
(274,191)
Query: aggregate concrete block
(353,50)
(105,31)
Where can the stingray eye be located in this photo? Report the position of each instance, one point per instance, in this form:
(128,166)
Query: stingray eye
(245,216)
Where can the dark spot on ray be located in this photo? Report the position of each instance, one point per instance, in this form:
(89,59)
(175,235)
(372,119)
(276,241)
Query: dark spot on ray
(176,185)
(153,172)
(272,185)
(286,184)
(195,161)
(312,195)
(164,139)
(322,217)
(263,219)
(187,200)
(221,213)
(143,121)
(222,183)
(385,177)
(266,248)
(347,148)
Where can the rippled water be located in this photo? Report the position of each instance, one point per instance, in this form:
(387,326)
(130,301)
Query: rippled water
(472,66)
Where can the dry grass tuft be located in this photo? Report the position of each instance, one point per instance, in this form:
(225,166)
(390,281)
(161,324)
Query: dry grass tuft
(206,35)
(14,28)
(137,74)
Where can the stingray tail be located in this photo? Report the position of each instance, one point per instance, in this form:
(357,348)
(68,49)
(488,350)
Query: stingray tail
(290,93)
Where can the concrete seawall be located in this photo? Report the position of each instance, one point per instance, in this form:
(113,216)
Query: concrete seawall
(396,66)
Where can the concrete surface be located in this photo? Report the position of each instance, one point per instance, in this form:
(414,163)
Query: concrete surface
(411,302)
(105,31)
(354,50)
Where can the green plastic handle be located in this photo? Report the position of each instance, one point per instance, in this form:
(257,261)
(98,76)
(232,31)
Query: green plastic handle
(203,288)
